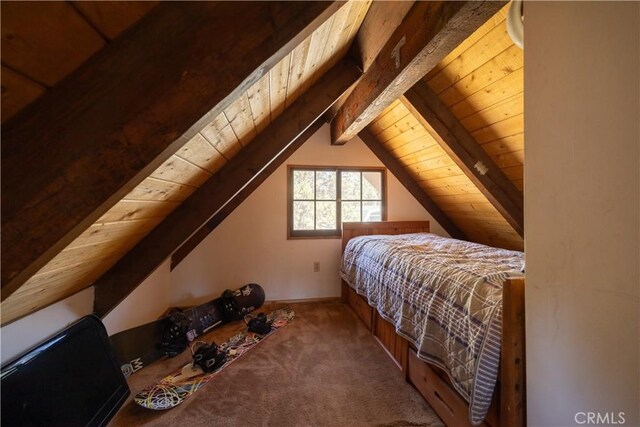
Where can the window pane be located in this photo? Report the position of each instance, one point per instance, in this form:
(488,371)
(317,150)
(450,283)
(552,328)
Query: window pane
(350,185)
(325,215)
(326,185)
(371,186)
(350,211)
(303,185)
(303,215)
(371,211)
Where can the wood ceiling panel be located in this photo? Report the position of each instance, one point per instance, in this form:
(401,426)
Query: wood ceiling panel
(482,82)
(419,165)
(285,82)
(394,112)
(259,100)
(482,51)
(503,64)
(296,71)
(505,160)
(89,253)
(510,85)
(478,209)
(427,160)
(505,145)
(500,239)
(113,17)
(491,23)
(423,148)
(222,137)
(513,171)
(80,263)
(315,55)
(499,130)
(278,82)
(451,182)
(201,153)
(156,189)
(138,209)
(145,206)
(437,173)
(241,119)
(343,30)
(499,111)
(180,171)
(450,189)
(394,139)
(110,231)
(385,122)
(58,285)
(400,127)
(17,92)
(47,42)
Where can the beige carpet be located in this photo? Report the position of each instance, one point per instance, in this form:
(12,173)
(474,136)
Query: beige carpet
(323,369)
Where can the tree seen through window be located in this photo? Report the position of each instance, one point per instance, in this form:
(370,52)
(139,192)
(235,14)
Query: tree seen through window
(320,199)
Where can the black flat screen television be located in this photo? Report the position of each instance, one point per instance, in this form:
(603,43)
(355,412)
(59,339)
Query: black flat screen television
(72,379)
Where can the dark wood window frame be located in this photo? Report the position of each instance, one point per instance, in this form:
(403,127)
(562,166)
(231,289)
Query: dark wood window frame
(334,233)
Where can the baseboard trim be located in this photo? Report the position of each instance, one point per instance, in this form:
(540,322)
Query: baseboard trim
(303,300)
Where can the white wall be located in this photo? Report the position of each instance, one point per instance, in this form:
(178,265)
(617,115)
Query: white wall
(582,211)
(144,304)
(251,244)
(25,333)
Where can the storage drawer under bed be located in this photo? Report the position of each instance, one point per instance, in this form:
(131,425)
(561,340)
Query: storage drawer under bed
(444,400)
(360,306)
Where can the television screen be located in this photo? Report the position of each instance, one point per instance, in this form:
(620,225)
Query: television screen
(72,379)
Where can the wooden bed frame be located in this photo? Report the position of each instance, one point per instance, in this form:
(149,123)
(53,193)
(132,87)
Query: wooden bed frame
(508,408)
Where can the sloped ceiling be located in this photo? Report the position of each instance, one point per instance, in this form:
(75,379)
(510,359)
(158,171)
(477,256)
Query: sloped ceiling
(480,82)
(102,244)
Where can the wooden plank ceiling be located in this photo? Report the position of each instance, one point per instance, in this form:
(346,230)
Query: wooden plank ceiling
(481,83)
(42,45)
(98,248)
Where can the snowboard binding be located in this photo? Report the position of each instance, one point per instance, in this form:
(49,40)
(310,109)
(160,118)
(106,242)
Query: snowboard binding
(207,356)
(258,324)
(174,333)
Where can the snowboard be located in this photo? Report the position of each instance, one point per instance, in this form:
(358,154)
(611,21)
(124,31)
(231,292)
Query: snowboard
(138,347)
(181,384)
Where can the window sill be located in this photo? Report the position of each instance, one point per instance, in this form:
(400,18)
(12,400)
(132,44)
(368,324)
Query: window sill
(311,237)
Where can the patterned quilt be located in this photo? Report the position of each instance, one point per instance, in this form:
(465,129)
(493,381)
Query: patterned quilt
(444,296)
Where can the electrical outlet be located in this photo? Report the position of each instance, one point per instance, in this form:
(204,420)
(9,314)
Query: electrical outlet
(316,267)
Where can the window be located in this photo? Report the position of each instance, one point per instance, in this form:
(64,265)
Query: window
(322,198)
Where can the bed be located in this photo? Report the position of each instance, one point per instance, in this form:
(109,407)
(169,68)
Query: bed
(450,314)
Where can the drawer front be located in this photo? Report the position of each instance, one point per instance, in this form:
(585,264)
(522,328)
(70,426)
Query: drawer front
(394,344)
(361,308)
(449,406)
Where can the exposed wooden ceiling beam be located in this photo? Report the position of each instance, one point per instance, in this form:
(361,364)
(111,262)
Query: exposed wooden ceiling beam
(186,248)
(396,168)
(158,245)
(463,149)
(429,31)
(76,151)
(383,17)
